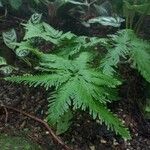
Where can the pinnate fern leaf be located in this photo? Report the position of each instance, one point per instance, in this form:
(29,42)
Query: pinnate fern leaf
(119,49)
(46,32)
(78,86)
(68,44)
(46,80)
(77,83)
(141,57)
(126,44)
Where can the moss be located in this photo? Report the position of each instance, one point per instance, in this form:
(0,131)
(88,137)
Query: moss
(17,143)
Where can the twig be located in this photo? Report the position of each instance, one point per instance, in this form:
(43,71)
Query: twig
(6,112)
(56,138)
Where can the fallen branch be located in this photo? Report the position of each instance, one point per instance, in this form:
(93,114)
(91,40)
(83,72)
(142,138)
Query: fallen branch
(6,112)
(55,137)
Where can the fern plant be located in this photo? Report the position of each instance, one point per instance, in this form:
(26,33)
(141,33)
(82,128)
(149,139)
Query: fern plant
(66,44)
(78,83)
(77,86)
(4,67)
(125,44)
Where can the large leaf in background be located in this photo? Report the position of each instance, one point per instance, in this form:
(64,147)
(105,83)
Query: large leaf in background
(15,4)
(35,18)
(107,21)
(22,52)
(4,68)
(10,37)
(1,5)
(22,49)
(75,2)
(2,61)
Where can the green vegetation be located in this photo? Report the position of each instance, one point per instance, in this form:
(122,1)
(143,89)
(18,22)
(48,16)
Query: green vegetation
(81,73)
(125,44)
(78,84)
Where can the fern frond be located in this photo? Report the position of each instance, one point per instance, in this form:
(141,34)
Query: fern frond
(60,102)
(94,41)
(100,79)
(46,32)
(75,43)
(83,95)
(126,43)
(76,84)
(33,30)
(47,80)
(120,49)
(51,61)
(97,109)
(83,60)
(141,57)
(110,62)
(50,31)
(111,121)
